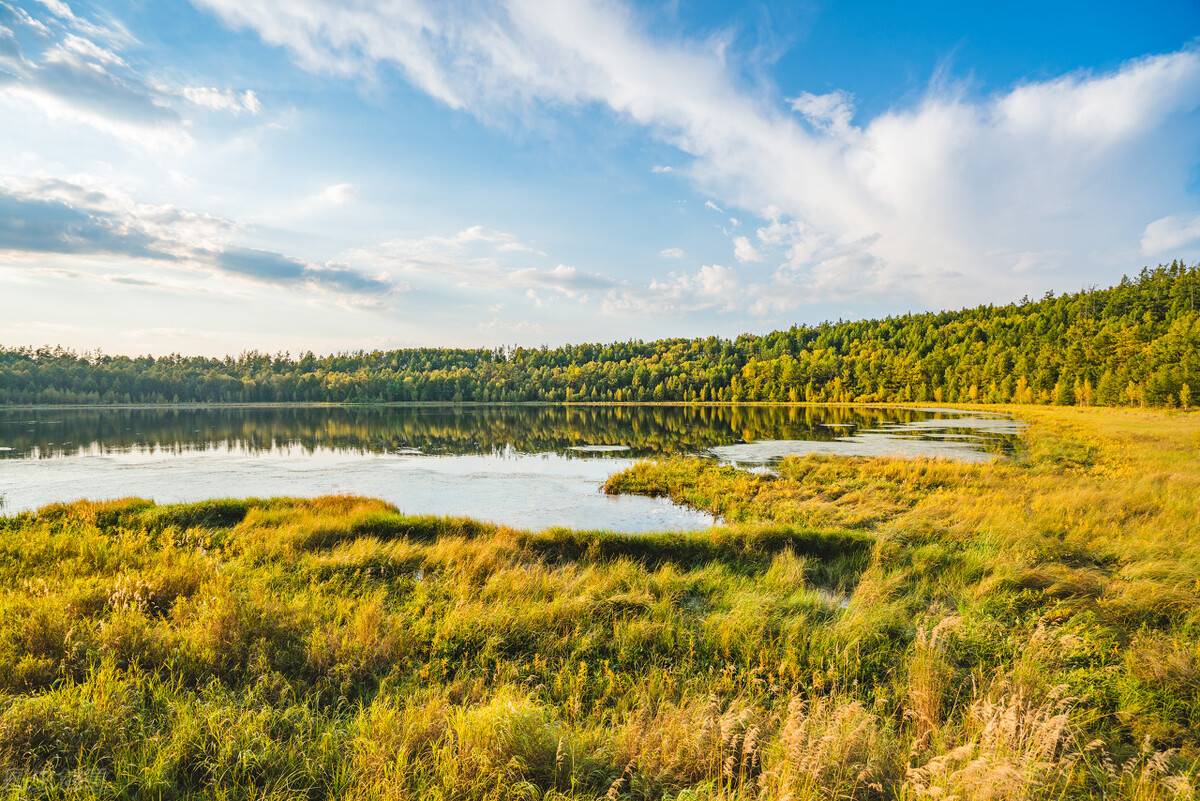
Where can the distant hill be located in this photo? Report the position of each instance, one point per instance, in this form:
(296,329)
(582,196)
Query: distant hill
(1137,343)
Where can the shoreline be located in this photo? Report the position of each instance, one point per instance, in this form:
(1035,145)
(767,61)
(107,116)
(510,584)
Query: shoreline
(915,406)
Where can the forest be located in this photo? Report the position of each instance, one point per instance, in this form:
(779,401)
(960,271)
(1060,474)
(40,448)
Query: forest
(1133,344)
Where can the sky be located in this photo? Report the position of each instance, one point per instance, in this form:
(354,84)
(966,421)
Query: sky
(216,176)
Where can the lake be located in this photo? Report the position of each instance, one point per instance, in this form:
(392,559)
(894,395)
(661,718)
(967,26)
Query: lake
(526,466)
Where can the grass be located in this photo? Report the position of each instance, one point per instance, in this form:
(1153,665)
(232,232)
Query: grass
(861,628)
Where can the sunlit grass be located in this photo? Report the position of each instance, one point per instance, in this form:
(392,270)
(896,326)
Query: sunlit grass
(864,628)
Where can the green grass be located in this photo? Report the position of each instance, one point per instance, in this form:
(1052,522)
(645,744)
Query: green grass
(864,628)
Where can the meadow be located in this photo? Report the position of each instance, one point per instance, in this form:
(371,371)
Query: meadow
(858,629)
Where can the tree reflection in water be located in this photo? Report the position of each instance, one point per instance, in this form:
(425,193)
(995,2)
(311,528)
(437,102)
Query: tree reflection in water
(570,431)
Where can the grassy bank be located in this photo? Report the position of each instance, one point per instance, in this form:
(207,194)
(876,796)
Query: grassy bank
(864,628)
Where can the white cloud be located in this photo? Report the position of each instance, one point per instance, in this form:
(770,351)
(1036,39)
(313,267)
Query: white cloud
(566,280)
(829,112)
(223,99)
(743,251)
(708,204)
(1169,235)
(661,168)
(73,45)
(715,281)
(672,253)
(337,194)
(712,287)
(58,8)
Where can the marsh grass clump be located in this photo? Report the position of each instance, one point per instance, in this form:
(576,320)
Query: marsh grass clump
(832,747)
(1008,746)
(704,742)
(857,629)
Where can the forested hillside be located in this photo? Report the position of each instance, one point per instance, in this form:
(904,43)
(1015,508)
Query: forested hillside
(1137,343)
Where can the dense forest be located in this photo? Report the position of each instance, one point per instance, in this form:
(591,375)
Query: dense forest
(1137,343)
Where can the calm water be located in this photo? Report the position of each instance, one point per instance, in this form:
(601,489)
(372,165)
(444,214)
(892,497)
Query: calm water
(523,466)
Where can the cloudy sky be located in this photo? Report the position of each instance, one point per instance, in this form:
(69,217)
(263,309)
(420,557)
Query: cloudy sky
(221,175)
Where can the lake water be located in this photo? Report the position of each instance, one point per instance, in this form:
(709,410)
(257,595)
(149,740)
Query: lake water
(526,466)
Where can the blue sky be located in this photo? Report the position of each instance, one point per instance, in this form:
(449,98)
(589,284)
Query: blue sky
(221,175)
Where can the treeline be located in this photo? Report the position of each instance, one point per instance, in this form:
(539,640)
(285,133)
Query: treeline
(1137,343)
